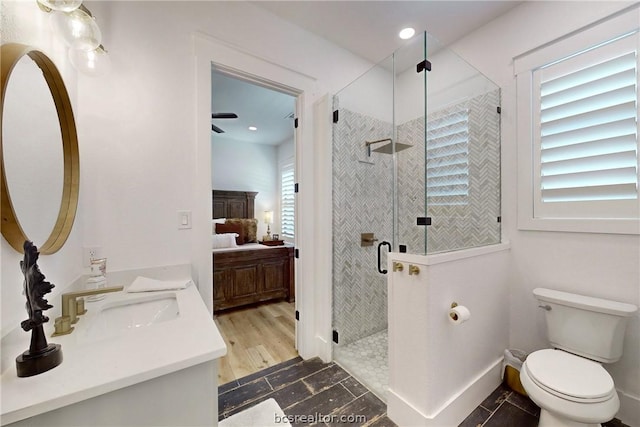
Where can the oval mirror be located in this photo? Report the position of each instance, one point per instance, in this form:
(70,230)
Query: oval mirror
(39,151)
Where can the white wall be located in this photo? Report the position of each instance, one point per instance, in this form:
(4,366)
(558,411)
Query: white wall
(243,166)
(601,265)
(453,366)
(23,22)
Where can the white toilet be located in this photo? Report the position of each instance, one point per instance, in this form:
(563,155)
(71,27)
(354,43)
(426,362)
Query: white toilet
(568,382)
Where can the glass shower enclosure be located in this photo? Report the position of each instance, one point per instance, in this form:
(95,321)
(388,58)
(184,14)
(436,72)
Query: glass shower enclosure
(416,169)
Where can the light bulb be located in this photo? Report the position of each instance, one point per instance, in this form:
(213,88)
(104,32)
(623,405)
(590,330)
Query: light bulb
(61,5)
(93,63)
(78,29)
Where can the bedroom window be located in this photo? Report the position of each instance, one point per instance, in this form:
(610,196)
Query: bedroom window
(448,158)
(580,123)
(287,202)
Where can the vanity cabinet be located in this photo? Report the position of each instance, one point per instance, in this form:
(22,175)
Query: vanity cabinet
(181,398)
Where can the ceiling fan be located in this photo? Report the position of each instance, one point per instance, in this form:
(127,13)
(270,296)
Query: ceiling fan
(215,128)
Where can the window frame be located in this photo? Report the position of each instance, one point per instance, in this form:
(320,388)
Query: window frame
(621,23)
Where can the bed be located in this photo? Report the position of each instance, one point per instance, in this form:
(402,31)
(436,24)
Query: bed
(252,272)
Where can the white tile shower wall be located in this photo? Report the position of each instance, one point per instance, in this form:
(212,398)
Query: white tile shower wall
(362,198)
(472,222)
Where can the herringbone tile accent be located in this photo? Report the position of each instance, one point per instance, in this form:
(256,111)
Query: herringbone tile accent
(362,203)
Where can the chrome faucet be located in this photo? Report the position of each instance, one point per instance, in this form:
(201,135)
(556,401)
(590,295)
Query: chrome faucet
(72,307)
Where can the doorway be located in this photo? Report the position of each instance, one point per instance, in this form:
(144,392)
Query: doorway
(253,150)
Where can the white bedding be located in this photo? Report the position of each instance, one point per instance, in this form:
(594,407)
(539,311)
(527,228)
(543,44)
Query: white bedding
(247,247)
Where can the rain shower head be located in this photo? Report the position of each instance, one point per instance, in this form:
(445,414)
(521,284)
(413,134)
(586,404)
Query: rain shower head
(387,148)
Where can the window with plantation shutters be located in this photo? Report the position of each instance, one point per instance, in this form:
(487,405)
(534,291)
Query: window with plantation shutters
(578,130)
(588,141)
(287,202)
(448,157)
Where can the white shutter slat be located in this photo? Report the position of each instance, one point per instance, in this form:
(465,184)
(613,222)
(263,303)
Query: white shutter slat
(449,170)
(591,133)
(607,84)
(447,166)
(591,118)
(605,192)
(598,71)
(588,103)
(625,159)
(616,144)
(440,142)
(590,179)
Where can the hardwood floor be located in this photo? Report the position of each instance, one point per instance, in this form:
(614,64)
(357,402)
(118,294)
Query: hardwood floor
(257,338)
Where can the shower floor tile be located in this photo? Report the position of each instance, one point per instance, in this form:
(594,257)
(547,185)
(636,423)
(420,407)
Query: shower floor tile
(367,360)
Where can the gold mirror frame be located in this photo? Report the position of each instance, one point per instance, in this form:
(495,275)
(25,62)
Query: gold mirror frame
(11,53)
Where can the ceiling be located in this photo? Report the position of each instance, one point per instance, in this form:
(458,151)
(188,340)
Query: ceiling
(266,109)
(368,29)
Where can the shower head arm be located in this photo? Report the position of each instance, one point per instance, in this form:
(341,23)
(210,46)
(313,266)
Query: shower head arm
(369,143)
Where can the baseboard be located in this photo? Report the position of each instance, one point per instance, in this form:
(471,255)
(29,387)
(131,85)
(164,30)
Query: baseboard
(629,412)
(455,410)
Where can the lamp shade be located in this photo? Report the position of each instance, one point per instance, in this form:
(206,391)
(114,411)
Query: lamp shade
(268,217)
(78,29)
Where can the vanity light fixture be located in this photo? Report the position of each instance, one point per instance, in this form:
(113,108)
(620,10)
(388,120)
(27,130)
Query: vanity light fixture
(253,128)
(406,33)
(78,28)
(60,5)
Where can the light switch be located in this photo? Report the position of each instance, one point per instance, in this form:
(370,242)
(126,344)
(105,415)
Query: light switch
(184,219)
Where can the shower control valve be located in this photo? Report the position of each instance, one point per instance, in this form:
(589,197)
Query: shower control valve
(414,269)
(397,266)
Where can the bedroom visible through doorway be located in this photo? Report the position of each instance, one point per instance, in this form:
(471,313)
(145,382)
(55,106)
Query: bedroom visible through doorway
(253,154)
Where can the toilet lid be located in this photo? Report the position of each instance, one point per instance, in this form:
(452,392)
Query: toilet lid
(569,376)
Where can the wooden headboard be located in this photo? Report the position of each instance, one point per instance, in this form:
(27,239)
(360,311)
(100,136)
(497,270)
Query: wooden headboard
(233,204)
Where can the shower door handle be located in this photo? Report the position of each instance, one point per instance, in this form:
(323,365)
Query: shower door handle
(380,245)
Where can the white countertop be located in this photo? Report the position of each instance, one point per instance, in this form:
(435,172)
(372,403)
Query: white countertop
(96,365)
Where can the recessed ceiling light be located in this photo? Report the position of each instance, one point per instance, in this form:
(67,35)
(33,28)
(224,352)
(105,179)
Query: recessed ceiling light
(407,33)
(253,128)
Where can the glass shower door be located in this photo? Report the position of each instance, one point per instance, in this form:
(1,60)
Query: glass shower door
(378,179)
(363,194)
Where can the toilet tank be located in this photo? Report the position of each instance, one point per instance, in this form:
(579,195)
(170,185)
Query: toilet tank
(586,326)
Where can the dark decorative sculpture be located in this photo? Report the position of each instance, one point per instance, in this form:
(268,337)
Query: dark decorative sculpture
(41,356)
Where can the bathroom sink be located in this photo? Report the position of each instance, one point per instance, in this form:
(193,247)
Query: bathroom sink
(116,317)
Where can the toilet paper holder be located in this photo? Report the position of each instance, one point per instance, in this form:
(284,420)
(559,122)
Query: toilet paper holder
(453,315)
(458,313)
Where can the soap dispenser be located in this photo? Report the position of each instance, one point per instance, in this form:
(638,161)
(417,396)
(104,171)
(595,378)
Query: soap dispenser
(95,281)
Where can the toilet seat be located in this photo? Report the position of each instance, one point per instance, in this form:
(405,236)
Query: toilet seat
(569,377)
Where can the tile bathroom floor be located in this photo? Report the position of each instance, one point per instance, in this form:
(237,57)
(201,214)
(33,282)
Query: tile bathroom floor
(367,359)
(308,387)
